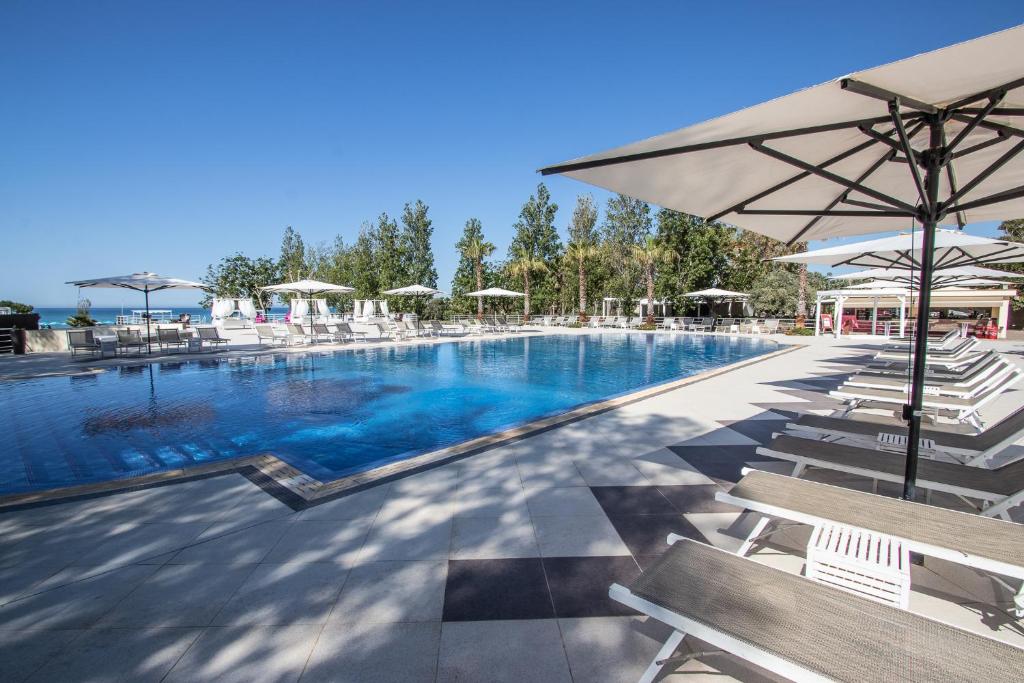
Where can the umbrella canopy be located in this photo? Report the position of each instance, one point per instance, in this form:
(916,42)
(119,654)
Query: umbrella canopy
(902,286)
(830,160)
(943,277)
(413,290)
(140,282)
(309,287)
(934,139)
(714,293)
(951,249)
(495,291)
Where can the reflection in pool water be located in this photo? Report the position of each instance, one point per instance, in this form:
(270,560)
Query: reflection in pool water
(330,414)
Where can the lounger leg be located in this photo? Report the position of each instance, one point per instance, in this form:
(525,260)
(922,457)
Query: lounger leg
(666,651)
(799,468)
(755,534)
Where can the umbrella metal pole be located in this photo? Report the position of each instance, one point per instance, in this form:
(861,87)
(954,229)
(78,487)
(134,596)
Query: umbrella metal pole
(912,412)
(149,343)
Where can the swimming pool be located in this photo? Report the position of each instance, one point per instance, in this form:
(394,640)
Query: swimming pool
(330,415)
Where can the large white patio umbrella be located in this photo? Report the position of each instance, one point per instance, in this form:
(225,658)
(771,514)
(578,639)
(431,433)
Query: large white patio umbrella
(140,282)
(935,139)
(310,288)
(497,292)
(413,290)
(715,293)
(941,278)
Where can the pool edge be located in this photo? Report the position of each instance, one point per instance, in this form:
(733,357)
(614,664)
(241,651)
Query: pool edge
(299,490)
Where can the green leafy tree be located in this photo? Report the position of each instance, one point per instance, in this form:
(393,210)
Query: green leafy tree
(239,276)
(15,306)
(361,260)
(536,235)
(701,252)
(1013,230)
(291,264)
(417,231)
(627,224)
(473,249)
(777,292)
(522,265)
(389,254)
(648,256)
(583,244)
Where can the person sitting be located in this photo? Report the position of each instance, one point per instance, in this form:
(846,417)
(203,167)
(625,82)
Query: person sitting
(184,319)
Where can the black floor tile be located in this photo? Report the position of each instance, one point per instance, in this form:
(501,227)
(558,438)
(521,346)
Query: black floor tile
(632,500)
(758,430)
(579,585)
(719,462)
(699,498)
(646,534)
(479,590)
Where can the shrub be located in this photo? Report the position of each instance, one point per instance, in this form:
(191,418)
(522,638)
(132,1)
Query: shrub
(647,327)
(801,332)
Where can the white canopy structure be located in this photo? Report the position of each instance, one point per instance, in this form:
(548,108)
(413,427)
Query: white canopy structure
(935,139)
(310,288)
(413,290)
(715,293)
(950,248)
(826,161)
(495,291)
(941,278)
(140,282)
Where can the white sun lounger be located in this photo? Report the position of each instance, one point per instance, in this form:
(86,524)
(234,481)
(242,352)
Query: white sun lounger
(990,366)
(990,545)
(800,629)
(963,407)
(934,356)
(969,449)
(945,341)
(999,489)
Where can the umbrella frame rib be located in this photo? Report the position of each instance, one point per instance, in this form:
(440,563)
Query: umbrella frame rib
(908,117)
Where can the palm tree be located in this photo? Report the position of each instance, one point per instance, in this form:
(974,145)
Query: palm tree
(524,263)
(648,255)
(581,252)
(477,249)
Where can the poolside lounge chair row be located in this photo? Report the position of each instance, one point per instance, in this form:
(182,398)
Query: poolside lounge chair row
(802,627)
(130,340)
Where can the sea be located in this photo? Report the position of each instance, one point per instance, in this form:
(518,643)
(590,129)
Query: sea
(57,317)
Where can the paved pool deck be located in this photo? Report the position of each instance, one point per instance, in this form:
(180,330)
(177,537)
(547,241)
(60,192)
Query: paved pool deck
(492,568)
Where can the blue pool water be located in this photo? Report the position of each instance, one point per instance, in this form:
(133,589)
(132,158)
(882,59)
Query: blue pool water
(328,414)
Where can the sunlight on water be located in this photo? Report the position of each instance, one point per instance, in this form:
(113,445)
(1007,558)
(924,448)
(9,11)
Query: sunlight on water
(330,415)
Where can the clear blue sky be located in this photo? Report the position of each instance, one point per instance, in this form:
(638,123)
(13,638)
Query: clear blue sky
(164,135)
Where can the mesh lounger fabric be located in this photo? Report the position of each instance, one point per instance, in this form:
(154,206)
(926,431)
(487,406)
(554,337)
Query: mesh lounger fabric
(968,533)
(823,629)
(1004,429)
(1005,481)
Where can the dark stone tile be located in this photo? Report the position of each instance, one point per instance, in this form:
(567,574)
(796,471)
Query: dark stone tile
(479,590)
(632,500)
(696,499)
(646,534)
(759,430)
(579,585)
(719,462)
